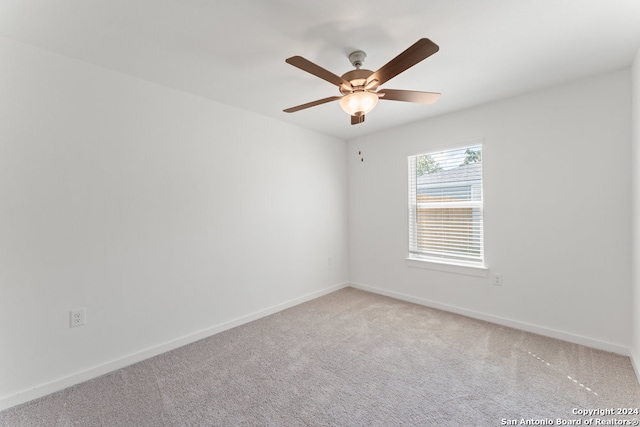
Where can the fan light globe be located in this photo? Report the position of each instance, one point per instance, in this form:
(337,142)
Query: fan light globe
(358,103)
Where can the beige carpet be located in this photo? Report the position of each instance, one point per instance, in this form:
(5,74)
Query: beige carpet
(350,358)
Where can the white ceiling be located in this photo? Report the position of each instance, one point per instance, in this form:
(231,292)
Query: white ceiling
(234,51)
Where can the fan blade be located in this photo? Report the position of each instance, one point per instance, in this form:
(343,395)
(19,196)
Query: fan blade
(409,96)
(357,119)
(316,70)
(312,104)
(420,50)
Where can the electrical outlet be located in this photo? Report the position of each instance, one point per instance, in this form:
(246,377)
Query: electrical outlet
(497,279)
(78,317)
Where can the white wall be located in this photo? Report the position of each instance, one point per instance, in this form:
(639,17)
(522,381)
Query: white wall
(166,215)
(635,345)
(557,185)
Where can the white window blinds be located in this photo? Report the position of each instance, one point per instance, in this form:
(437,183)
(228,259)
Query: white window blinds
(445,206)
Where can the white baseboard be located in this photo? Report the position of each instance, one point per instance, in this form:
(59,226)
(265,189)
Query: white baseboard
(635,362)
(528,327)
(7,402)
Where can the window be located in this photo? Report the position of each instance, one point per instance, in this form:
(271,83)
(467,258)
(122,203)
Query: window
(445,206)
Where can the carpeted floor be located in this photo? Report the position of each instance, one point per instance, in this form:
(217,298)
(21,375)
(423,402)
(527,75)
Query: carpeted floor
(352,358)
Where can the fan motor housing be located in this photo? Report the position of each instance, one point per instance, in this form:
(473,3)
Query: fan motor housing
(357,78)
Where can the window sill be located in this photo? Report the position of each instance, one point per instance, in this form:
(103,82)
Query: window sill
(448,266)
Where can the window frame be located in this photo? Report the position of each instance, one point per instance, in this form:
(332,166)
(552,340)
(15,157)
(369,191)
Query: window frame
(443,263)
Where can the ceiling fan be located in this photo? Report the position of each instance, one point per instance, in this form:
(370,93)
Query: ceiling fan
(358,87)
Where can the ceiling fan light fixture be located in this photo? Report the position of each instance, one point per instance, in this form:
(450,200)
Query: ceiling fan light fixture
(358,103)
(359,87)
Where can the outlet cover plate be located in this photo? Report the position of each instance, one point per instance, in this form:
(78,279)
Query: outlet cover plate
(78,317)
(497,279)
